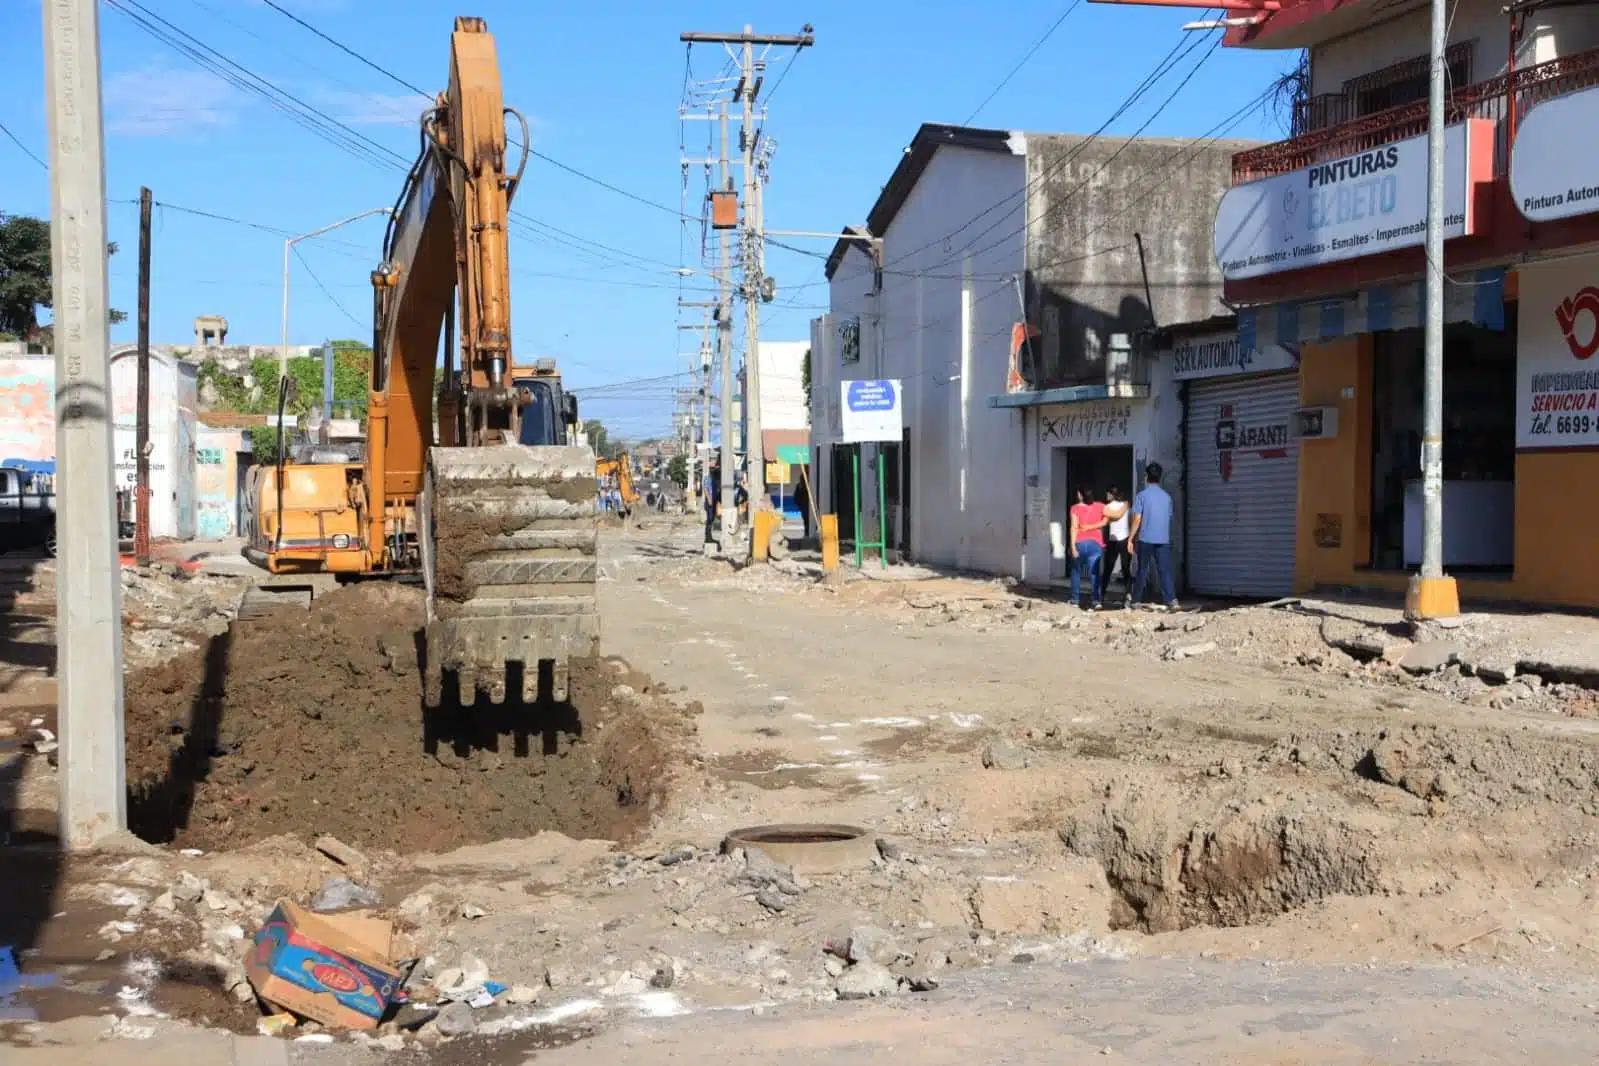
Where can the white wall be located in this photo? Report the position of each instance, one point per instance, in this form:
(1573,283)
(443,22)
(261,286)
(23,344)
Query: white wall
(783,385)
(172,436)
(948,306)
(1383,44)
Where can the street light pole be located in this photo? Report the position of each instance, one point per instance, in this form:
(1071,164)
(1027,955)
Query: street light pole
(288,247)
(1432,595)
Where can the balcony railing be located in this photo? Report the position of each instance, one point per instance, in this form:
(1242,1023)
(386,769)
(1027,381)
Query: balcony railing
(1491,99)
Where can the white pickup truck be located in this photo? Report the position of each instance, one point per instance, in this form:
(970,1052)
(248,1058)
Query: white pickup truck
(27,510)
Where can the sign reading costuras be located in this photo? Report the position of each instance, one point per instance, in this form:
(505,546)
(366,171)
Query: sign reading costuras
(1363,204)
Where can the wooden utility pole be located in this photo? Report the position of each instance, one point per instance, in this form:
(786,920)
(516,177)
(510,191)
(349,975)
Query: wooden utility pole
(93,794)
(141,432)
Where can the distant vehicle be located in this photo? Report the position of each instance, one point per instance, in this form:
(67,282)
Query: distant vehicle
(27,510)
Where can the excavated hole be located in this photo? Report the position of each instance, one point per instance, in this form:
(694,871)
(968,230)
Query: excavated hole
(1171,872)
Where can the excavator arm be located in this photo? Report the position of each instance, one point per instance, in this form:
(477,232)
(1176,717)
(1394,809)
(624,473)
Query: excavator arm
(497,513)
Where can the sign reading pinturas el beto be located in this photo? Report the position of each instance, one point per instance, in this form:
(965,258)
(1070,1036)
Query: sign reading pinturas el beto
(1557,355)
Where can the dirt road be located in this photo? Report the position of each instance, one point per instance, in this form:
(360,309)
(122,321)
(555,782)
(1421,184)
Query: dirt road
(1097,835)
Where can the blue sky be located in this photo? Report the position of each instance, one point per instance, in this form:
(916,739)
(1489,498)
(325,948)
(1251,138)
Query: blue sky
(600,83)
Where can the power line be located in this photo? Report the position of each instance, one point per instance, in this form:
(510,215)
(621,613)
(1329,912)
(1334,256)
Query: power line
(352,53)
(331,298)
(1162,67)
(25,149)
(358,57)
(309,117)
(1022,62)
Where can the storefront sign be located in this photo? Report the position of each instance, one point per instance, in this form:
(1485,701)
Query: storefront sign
(1557,369)
(1268,440)
(1360,205)
(1554,167)
(871,411)
(1095,422)
(1220,355)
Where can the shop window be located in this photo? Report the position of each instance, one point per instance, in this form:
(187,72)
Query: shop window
(1479,458)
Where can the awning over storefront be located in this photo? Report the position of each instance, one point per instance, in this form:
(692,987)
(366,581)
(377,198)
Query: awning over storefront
(1476,296)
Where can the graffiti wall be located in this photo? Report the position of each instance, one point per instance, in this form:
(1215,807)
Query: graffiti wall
(216,477)
(27,411)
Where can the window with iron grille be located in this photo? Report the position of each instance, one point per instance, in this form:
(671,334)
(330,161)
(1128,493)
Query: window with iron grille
(1405,83)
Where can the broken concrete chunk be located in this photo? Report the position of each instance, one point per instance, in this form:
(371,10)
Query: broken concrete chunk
(1179,652)
(868,943)
(522,995)
(188,888)
(1003,754)
(341,894)
(455,1020)
(339,851)
(772,898)
(866,980)
(472,912)
(1429,656)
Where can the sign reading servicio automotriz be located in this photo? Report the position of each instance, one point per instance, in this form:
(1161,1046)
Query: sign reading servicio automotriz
(1557,355)
(1363,204)
(871,411)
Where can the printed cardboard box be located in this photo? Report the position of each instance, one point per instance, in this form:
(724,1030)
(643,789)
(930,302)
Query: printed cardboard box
(332,969)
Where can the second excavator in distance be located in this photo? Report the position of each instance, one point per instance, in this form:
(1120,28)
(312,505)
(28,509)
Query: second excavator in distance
(496,512)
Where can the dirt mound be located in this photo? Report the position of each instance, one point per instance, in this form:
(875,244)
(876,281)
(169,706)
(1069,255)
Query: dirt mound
(312,722)
(1177,861)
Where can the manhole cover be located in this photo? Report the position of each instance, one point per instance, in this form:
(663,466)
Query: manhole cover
(808,848)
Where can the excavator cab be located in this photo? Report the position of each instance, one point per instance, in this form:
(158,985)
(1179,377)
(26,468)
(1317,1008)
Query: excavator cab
(549,412)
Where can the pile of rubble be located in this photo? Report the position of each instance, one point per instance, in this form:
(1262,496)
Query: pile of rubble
(167,610)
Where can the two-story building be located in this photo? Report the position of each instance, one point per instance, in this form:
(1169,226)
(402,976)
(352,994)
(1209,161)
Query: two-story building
(1320,240)
(1093,243)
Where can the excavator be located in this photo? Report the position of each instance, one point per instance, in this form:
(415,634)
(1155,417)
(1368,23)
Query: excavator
(495,514)
(618,474)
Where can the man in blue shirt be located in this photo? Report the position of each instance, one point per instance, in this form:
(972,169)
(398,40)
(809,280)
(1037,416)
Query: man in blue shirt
(1151,537)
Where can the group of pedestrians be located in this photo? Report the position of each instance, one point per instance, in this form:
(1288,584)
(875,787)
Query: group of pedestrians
(1135,537)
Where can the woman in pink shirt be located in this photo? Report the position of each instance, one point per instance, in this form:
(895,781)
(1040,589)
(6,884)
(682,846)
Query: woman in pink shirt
(1088,544)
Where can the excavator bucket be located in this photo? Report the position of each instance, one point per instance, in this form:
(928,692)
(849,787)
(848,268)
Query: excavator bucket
(510,554)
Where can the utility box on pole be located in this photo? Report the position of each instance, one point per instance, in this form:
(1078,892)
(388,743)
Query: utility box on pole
(724,209)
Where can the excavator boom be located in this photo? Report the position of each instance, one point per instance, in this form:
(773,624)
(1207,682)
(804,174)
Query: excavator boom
(504,528)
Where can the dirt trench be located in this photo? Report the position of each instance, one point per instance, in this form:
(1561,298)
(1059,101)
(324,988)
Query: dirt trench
(1176,861)
(312,722)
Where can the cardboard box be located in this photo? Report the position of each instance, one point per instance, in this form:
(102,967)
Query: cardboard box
(332,969)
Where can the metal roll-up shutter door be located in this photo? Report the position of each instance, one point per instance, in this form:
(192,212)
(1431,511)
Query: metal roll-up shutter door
(1243,486)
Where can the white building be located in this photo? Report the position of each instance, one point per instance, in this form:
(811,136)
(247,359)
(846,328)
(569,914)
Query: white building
(976,233)
(785,416)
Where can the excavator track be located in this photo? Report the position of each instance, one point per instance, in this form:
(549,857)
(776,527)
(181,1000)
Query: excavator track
(509,541)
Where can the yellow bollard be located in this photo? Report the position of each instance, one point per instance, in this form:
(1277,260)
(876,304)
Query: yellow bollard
(762,527)
(829,529)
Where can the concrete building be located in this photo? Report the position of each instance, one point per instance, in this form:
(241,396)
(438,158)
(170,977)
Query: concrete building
(28,428)
(1013,282)
(1320,240)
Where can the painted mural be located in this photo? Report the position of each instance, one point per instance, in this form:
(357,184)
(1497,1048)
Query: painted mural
(27,412)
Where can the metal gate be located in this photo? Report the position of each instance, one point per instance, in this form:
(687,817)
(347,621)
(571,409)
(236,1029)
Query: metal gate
(1243,486)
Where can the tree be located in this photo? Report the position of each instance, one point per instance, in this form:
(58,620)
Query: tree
(25,276)
(600,440)
(805,377)
(677,471)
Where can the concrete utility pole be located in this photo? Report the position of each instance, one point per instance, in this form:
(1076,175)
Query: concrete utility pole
(754,277)
(141,432)
(1431,594)
(93,794)
(746,92)
(724,342)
